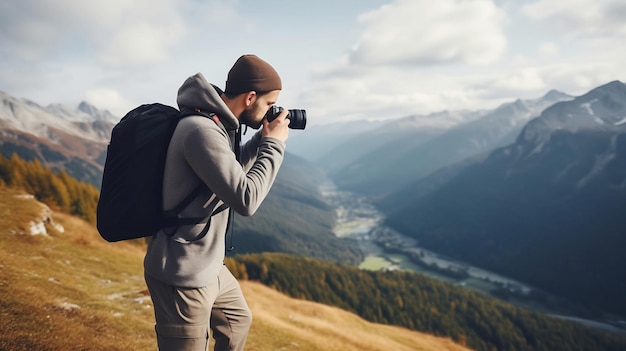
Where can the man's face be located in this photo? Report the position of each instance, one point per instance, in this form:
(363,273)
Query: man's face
(253,115)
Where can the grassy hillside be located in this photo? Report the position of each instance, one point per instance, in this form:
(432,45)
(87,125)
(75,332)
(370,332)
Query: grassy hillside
(70,290)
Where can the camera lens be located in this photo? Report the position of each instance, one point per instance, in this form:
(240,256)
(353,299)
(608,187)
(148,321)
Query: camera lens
(297,119)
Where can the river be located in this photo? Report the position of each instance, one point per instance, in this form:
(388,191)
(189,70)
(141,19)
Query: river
(388,249)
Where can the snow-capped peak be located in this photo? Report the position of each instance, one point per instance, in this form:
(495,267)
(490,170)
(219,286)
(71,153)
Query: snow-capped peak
(96,113)
(29,117)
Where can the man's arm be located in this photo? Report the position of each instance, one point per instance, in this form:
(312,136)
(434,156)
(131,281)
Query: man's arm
(208,152)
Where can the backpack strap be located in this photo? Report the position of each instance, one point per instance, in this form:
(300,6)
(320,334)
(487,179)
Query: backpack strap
(171,218)
(197,112)
(235,140)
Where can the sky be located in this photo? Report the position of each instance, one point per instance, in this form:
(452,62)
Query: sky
(341,60)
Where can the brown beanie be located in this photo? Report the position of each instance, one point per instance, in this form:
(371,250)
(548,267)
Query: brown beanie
(250,73)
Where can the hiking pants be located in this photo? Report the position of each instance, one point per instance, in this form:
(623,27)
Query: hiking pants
(185,315)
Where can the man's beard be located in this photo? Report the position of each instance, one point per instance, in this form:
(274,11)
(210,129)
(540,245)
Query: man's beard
(248,115)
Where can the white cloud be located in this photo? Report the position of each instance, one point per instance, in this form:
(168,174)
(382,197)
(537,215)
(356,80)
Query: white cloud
(139,44)
(400,65)
(573,77)
(422,32)
(523,79)
(410,59)
(581,17)
(344,92)
(115,32)
(407,57)
(548,49)
(112,99)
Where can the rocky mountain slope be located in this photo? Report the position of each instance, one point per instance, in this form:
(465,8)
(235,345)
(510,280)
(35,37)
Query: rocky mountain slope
(546,209)
(67,139)
(411,154)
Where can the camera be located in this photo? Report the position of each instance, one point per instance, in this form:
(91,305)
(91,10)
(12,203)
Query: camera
(297,118)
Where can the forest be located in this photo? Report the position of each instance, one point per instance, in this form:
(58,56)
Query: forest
(58,190)
(420,303)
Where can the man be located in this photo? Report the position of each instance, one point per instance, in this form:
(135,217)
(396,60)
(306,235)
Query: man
(191,288)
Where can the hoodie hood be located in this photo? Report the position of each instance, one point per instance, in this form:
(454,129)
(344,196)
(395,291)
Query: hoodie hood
(197,93)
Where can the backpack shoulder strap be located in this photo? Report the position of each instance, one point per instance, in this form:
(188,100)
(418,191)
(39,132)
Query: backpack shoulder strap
(197,112)
(171,216)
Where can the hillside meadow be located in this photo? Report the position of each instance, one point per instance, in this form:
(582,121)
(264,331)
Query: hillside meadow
(67,289)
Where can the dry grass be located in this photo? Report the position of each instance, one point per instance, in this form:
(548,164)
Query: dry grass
(284,323)
(73,291)
(69,291)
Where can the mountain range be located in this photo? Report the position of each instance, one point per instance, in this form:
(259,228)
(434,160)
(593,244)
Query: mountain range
(546,209)
(398,153)
(339,146)
(73,140)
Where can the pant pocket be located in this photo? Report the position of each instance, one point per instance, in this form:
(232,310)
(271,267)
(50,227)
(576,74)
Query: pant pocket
(179,337)
(183,331)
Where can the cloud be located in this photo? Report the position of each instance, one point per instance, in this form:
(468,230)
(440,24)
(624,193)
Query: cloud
(581,17)
(406,57)
(55,51)
(573,77)
(422,32)
(548,49)
(342,91)
(410,59)
(112,99)
(525,79)
(113,32)
(400,65)
(139,44)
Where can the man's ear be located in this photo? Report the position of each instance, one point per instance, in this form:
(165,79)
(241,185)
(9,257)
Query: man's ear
(250,98)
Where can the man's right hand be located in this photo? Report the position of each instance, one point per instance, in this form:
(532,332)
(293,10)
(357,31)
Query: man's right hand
(278,128)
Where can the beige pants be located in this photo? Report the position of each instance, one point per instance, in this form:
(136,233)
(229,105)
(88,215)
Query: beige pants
(185,315)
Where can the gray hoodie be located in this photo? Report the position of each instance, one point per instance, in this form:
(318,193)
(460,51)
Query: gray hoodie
(200,152)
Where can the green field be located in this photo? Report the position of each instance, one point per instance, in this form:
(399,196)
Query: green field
(374,263)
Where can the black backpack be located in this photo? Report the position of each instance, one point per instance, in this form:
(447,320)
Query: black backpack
(131,196)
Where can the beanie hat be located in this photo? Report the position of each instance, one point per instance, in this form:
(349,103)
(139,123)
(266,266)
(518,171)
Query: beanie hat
(250,73)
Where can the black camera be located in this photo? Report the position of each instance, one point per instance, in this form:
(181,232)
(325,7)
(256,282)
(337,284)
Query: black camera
(297,118)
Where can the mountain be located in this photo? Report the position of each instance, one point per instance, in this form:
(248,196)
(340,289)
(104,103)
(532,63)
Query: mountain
(385,143)
(27,116)
(547,209)
(413,155)
(64,288)
(334,145)
(317,140)
(67,139)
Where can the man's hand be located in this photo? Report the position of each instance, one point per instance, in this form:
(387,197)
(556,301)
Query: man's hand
(278,128)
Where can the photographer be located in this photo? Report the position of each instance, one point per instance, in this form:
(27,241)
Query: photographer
(191,288)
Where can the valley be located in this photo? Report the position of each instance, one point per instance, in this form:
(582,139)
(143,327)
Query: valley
(387,249)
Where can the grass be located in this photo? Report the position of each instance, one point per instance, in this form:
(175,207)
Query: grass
(480,285)
(68,290)
(71,290)
(374,263)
